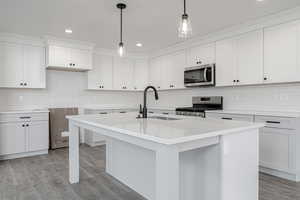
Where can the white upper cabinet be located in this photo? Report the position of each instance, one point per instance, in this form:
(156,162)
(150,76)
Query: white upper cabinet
(225,62)
(140,74)
(101,76)
(167,72)
(282,53)
(239,60)
(201,55)
(249,52)
(155,72)
(22,66)
(173,70)
(73,59)
(34,67)
(123,69)
(11,65)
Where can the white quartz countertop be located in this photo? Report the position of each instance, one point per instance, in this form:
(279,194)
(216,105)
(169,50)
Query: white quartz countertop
(21,111)
(256,112)
(164,131)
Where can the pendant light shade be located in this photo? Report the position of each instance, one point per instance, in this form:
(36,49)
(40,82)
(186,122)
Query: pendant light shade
(185,26)
(121,49)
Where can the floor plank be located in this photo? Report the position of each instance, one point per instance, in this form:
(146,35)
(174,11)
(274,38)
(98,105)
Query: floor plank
(46,177)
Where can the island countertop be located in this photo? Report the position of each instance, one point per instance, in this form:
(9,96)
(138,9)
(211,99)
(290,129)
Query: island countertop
(164,131)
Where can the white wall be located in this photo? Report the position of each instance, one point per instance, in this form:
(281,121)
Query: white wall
(64,89)
(267,97)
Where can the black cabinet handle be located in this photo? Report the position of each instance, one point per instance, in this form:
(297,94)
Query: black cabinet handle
(70,64)
(25,84)
(151,112)
(23,125)
(73,64)
(238,81)
(227,118)
(21,83)
(103,113)
(265,78)
(272,122)
(27,125)
(234,81)
(123,112)
(165,113)
(25,117)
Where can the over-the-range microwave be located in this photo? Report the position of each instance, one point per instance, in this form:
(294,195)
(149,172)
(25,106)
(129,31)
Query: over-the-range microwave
(203,75)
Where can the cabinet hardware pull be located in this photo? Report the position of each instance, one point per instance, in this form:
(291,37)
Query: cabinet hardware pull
(27,125)
(234,81)
(21,83)
(165,113)
(151,112)
(123,112)
(23,125)
(272,122)
(70,64)
(25,117)
(238,81)
(227,118)
(25,84)
(103,113)
(73,64)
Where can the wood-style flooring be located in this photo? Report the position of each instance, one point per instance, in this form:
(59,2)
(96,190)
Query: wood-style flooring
(46,178)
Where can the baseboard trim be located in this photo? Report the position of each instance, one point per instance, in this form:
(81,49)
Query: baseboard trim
(23,155)
(280,174)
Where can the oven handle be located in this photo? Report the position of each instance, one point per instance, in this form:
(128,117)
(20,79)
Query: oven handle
(205,72)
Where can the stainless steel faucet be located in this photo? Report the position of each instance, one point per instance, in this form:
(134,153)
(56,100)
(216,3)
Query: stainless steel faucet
(145,99)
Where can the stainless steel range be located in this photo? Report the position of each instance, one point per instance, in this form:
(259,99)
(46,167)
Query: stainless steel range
(200,105)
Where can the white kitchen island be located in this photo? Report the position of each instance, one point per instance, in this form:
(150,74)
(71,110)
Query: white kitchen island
(186,159)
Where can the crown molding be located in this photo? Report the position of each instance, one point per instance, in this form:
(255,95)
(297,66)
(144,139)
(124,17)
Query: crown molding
(21,39)
(50,40)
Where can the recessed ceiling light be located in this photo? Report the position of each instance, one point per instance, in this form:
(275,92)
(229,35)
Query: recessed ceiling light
(139,44)
(259,0)
(68,31)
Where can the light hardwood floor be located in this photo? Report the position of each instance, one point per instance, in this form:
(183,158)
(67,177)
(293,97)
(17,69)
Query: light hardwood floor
(46,178)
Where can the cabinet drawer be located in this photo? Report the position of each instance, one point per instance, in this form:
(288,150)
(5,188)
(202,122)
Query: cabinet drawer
(277,122)
(224,116)
(24,117)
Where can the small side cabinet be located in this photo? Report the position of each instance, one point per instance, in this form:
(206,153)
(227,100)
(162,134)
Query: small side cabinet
(23,134)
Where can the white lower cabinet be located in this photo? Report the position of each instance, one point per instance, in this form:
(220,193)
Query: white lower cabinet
(12,138)
(275,148)
(279,153)
(23,135)
(37,135)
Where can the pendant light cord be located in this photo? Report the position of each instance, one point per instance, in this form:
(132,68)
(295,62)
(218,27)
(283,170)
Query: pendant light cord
(184,7)
(121,26)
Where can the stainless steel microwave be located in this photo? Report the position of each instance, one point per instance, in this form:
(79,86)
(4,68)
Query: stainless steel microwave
(203,75)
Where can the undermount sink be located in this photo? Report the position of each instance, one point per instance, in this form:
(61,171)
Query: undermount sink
(163,118)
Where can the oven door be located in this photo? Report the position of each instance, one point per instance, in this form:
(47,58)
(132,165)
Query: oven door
(197,76)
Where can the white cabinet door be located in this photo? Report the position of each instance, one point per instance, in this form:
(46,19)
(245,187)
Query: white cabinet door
(280,53)
(140,74)
(226,65)
(155,72)
(81,59)
(123,74)
(38,136)
(274,148)
(11,65)
(12,138)
(249,50)
(34,67)
(201,55)
(59,56)
(101,76)
(177,63)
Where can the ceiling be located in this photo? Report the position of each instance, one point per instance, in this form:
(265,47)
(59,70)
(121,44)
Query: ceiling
(152,22)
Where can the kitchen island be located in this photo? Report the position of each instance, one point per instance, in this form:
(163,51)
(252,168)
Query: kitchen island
(175,157)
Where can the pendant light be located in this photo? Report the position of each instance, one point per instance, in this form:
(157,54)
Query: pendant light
(121,49)
(185,27)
